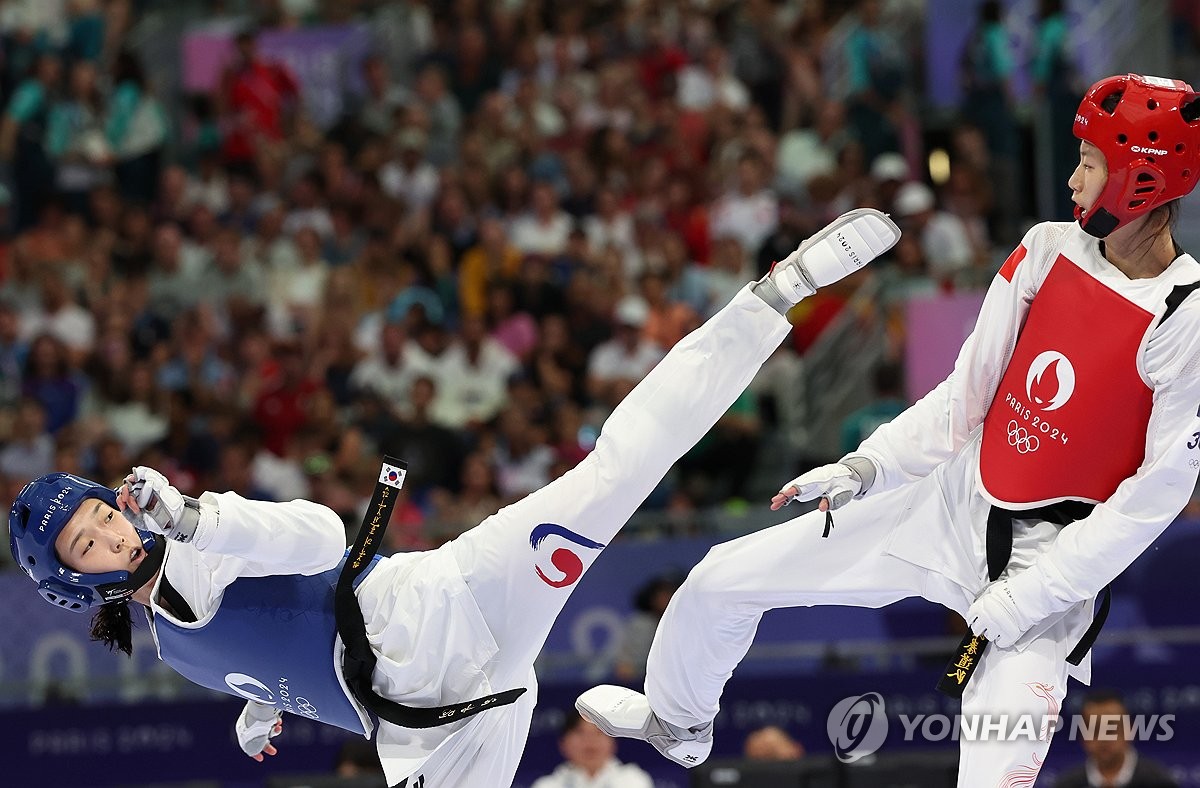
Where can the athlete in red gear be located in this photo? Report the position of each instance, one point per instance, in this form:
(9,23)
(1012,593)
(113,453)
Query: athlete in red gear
(1056,452)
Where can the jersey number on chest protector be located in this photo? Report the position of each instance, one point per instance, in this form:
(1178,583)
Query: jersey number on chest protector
(1070,414)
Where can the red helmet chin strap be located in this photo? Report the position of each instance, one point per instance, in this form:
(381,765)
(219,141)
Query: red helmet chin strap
(1150,147)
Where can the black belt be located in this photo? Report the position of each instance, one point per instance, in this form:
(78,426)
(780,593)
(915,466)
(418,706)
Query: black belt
(358,661)
(999,538)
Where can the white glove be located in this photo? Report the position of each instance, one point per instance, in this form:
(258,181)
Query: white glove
(997,616)
(164,510)
(836,483)
(256,726)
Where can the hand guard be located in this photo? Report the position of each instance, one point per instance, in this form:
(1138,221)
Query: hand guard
(837,483)
(164,510)
(256,726)
(996,615)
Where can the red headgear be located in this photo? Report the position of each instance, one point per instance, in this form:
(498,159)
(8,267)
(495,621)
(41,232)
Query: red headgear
(1152,152)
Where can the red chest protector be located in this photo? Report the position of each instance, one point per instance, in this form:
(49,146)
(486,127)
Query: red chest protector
(1069,418)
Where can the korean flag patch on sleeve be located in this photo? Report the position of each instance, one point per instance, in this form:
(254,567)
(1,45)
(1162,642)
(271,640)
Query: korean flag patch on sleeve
(392,475)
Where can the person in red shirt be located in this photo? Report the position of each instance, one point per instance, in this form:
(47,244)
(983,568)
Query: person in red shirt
(282,409)
(256,98)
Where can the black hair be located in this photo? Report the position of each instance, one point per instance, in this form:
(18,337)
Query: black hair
(1049,8)
(643,599)
(991,11)
(128,68)
(571,721)
(1110,102)
(1190,110)
(112,625)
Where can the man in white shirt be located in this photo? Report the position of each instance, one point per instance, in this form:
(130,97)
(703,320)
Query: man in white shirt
(1112,761)
(591,760)
(410,177)
(545,228)
(711,82)
(750,212)
(943,235)
(61,317)
(473,378)
(626,358)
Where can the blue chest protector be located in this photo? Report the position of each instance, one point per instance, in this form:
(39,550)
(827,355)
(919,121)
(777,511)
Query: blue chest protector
(271,640)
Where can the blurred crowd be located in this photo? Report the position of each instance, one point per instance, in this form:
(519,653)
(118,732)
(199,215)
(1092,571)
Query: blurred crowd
(518,214)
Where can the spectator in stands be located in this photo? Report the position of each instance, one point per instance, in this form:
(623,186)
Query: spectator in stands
(633,644)
(491,261)
(231,288)
(609,225)
(771,743)
(808,152)
(138,416)
(443,113)
(410,177)
(887,402)
(624,359)
(75,138)
(23,138)
(877,74)
(710,82)
(28,447)
(544,229)
(59,314)
(515,329)
(750,211)
(795,224)
(53,380)
(1112,760)
(13,350)
(522,459)
(256,102)
(136,129)
(987,66)
(382,99)
(282,409)
(591,760)
(386,372)
(471,383)
(1054,82)
(943,237)
(475,498)
(434,453)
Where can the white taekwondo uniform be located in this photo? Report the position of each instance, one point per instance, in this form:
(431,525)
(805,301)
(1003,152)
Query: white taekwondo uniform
(1098,404)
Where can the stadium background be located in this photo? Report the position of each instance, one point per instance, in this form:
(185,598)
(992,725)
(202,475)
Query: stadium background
(254,243)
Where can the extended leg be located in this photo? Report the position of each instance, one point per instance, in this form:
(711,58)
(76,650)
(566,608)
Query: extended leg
(522,562)
(713,617)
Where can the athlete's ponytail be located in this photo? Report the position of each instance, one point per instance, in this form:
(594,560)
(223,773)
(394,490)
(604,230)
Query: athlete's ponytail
(112,625)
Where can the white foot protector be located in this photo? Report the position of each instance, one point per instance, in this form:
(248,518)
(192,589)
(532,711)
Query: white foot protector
(845,245)
(619,711)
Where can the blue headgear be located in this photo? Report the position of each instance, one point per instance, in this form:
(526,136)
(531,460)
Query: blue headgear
(39,515)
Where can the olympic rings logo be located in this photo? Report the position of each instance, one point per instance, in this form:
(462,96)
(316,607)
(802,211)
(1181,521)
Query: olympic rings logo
(1020,437)
(305,707)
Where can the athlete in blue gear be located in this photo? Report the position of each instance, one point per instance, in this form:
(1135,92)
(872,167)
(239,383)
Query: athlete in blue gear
(240,595)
